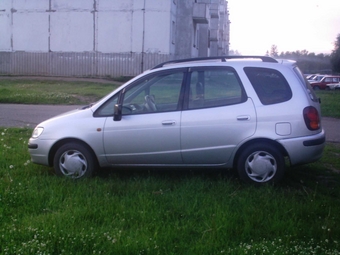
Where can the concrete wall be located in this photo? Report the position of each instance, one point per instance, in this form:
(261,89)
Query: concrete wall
(97,37)
(85,25)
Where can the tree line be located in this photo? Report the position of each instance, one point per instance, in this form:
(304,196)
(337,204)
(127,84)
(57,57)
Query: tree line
(310,62)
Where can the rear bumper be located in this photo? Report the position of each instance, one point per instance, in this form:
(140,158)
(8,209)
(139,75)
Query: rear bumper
(306,149)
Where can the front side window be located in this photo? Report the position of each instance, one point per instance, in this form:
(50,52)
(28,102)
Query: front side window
(214,87)
(155,93)
(270,85)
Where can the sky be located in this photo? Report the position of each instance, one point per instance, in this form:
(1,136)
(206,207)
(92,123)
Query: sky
(291,25)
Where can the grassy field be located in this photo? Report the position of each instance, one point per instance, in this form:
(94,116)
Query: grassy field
(330,103)
(129,211)
(148,211)
(52,91)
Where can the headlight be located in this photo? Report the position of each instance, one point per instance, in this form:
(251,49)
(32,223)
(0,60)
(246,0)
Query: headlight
(37,132)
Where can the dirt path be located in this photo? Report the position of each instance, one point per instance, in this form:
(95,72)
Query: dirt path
(332,128)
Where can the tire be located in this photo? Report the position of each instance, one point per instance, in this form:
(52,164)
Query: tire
(316,88)
(260,164)
(75,161)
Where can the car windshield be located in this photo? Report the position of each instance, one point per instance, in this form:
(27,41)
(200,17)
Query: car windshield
(318,78)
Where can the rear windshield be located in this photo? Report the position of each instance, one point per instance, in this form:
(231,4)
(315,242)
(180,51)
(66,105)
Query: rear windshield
(269,84)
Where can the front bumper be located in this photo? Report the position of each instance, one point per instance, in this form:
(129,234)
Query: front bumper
(39,150)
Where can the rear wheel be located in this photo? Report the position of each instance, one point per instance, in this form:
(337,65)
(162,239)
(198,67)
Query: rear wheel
(261,163)
(74,160)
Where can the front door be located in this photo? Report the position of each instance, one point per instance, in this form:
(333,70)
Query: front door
(149,130)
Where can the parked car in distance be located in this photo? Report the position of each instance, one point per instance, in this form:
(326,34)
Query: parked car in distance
(322,84)
(315,77)
(248,113)
(333,86)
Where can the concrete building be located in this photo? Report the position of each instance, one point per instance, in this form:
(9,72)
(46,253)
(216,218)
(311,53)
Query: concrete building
(98,38)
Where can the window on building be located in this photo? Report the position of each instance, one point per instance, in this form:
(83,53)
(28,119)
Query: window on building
(173,32)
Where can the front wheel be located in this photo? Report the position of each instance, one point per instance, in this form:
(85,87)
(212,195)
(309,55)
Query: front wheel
(259,164)
(74,160)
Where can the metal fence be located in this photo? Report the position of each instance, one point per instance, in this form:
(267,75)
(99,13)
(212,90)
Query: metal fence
(73,64)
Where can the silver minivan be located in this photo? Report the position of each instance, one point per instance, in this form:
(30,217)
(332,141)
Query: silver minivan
(252,114)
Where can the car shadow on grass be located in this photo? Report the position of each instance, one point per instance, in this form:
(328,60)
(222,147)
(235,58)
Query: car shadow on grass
(166,173)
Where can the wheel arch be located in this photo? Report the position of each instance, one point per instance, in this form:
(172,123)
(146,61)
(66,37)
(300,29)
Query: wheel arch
(259,141)
(60,143)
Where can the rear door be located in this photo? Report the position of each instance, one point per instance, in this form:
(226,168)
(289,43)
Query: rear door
(217,116)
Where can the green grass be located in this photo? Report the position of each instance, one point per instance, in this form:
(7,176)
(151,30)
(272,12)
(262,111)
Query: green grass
(330,103)
(52,92)
(129,211)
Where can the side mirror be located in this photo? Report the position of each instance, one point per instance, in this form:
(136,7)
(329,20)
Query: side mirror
(117,112)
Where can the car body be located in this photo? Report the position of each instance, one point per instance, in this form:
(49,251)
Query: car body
(322,84)
(229,112)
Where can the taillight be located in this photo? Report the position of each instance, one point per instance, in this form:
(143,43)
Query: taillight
(311,116)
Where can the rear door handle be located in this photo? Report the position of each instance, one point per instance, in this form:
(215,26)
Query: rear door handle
(243,117)
(168,122)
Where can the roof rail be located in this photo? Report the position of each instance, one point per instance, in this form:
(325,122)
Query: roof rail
(222,58)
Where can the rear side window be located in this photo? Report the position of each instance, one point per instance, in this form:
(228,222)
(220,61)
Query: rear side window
(270,85)
(214,87)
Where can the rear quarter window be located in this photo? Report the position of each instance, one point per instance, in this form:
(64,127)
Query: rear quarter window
(270,85)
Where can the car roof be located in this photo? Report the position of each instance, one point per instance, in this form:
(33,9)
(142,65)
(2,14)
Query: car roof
(220,60)
(331,76)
